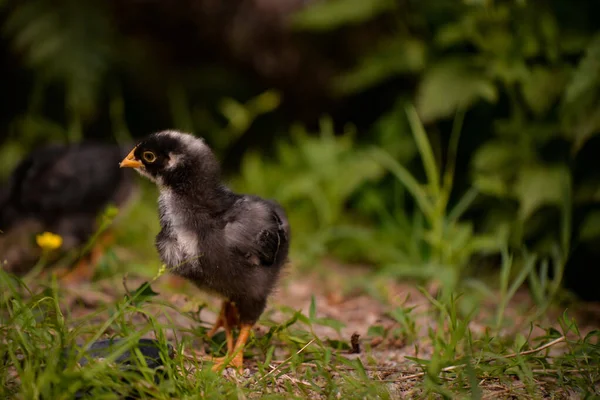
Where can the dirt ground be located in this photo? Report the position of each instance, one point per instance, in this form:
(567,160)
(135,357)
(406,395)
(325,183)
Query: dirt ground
(336,299)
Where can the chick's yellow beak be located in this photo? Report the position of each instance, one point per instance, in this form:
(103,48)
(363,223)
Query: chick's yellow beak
(130,161)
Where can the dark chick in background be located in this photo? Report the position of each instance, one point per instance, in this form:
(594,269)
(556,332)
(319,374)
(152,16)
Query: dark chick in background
(228,244)
(61,189)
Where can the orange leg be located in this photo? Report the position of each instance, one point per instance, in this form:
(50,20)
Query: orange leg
(84,269)
(237,361)
(228,319)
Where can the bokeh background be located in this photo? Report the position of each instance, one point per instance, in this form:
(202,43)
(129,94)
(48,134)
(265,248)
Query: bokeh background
(422,138)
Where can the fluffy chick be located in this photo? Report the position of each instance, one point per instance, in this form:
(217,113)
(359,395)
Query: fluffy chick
(228,244)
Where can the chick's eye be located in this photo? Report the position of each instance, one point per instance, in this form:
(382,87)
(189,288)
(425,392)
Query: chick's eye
(149,156)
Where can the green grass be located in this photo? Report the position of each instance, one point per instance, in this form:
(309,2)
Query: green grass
(36,330)
(290,358)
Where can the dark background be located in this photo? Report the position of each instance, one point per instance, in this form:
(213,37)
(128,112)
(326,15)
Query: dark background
(296,95)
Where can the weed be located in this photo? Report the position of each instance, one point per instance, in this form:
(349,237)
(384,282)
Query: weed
(446,244)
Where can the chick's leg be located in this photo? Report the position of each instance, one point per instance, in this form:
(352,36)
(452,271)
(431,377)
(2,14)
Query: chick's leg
(228,320)
(218,323)
(237,361)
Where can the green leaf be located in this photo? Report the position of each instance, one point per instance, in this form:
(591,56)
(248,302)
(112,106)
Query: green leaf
(539,185)
(451,34)
(376,331)
(495,164)
(491,185)
(543,88)
(390,58)
(451,85)
(142,293)
(332,14)
(581,99)
(587,74)
(508,71)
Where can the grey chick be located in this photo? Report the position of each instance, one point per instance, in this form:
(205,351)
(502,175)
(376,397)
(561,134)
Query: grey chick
(60,188)
(228,244)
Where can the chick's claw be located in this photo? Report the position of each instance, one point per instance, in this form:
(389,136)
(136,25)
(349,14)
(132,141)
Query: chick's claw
(237,362)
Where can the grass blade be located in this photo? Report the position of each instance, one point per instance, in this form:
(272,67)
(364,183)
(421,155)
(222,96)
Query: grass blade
(453,151)
(425,150)
(405,177)
(463,204)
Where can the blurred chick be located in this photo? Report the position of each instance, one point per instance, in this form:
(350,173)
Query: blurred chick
(60,189)
(229,244)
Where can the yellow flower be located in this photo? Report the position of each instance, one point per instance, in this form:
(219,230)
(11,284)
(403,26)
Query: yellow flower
(49,241)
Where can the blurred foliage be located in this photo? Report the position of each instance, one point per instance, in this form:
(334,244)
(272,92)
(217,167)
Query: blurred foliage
(536,65)
(69,43)
(399,191)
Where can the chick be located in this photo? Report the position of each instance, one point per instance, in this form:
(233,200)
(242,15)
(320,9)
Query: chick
(227,244)
(60,188)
